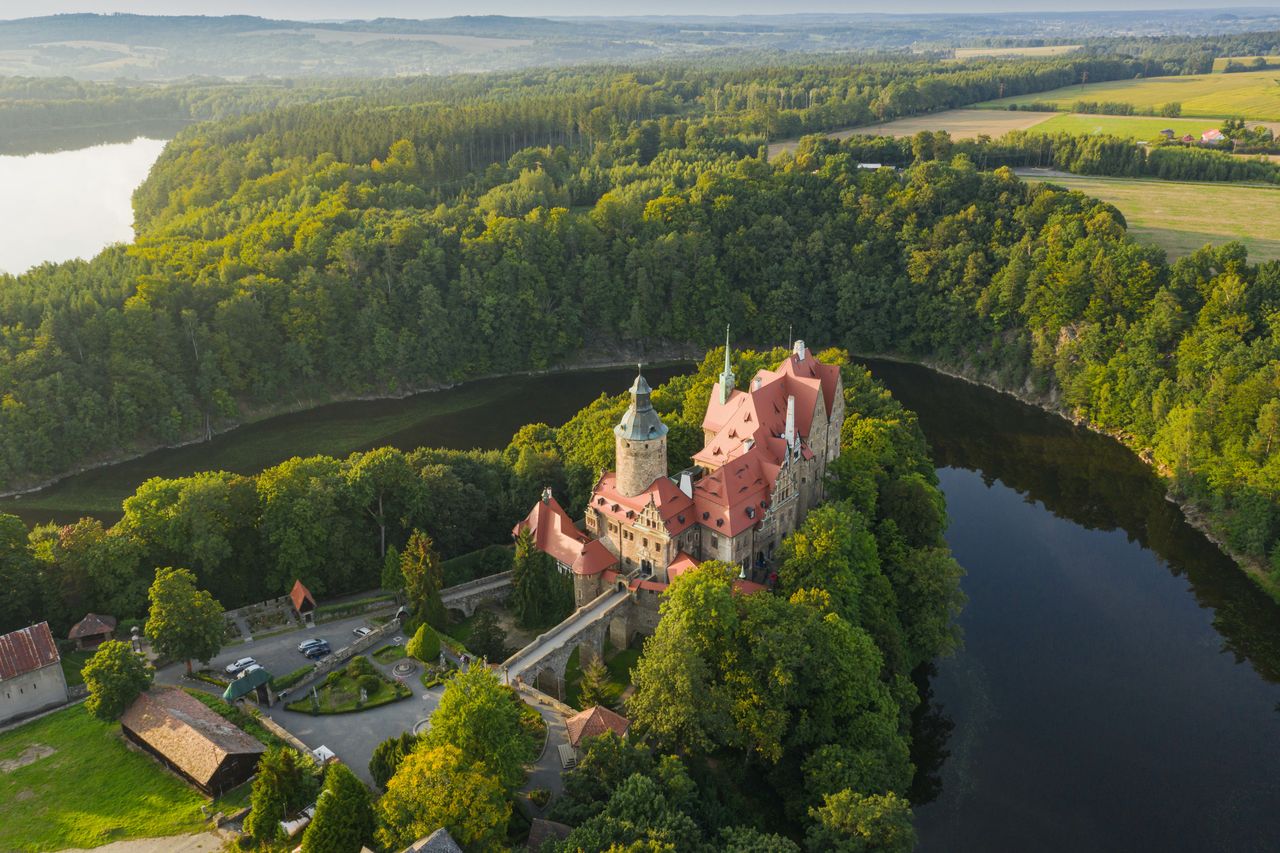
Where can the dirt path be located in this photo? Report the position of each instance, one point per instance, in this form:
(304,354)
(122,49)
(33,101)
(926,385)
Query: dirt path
(205,842)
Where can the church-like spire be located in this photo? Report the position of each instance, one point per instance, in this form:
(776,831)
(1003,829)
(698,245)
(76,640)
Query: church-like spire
(727,379)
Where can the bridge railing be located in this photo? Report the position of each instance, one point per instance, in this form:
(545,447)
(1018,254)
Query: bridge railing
(478,583)
(540,640)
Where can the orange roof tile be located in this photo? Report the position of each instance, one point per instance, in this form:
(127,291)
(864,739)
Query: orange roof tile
(594,722)
(554,533)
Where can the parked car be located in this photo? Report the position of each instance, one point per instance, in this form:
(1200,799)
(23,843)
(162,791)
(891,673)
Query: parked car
(253,667)
(362,631)
(306,644)
(239,666)
(318,651)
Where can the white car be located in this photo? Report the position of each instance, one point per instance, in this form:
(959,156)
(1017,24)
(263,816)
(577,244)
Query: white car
(362,631)
(253,667)
(239,666)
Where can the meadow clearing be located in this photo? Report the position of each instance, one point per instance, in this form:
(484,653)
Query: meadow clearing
(1181,217)
(961,124)
(1253,95)
(1039,50)
(1222,61)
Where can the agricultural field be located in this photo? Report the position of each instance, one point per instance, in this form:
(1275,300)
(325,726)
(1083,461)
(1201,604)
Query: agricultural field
(961,124)
(1172,214)
(1134,127)
(68,780)
(1041,50)
(1222,61)
(1252,94)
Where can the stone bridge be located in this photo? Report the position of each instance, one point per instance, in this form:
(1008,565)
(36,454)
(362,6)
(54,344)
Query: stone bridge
(541,664)
(465,597)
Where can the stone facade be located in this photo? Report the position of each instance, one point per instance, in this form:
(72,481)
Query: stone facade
(31,678)
(759,474)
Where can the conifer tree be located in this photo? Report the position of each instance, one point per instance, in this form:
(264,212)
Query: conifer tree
(343,820)
(423,578)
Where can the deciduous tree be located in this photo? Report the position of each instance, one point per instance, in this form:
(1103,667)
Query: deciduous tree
(115,675)
(185,622)
(437,786)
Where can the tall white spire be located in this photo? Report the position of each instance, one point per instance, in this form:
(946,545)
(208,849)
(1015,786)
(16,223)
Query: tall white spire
(727,379)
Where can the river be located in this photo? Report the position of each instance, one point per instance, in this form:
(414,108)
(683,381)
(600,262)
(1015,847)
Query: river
(70,203)
(1119,686)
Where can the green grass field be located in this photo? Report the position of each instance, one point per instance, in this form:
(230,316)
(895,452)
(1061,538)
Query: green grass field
(90,791)
(1134,127)
(1253,94)
(1182,217)
(1221,62)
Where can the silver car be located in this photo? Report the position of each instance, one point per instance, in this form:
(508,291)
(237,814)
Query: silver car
(239,666)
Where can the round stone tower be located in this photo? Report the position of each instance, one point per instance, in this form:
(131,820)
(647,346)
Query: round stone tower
(640,440)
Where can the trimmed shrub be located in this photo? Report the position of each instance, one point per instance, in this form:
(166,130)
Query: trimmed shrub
(425,644)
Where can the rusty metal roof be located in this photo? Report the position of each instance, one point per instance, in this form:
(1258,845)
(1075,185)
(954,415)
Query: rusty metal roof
(27,650)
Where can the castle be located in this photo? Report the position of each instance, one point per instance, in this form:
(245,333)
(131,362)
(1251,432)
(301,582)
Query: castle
(760,471)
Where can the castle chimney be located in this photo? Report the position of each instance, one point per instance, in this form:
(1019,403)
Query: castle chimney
(791,422)
(546,494)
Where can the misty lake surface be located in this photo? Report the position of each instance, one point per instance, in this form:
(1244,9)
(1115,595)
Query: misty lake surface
(1119,686)
(69,204)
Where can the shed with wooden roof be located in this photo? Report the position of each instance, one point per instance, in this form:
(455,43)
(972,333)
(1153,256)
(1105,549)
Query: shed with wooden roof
(92,631)
(190,739)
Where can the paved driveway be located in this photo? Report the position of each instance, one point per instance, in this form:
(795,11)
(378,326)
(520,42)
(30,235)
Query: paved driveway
(279,653)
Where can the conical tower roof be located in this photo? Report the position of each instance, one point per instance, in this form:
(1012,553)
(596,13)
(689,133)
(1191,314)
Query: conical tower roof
(641,421)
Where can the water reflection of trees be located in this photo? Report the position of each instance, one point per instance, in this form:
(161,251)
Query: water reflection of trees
(930,730)
(1093,481)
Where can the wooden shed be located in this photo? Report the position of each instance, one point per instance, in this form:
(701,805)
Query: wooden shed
(193,741)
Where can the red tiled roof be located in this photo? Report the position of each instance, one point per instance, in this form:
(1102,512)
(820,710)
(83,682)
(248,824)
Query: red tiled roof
(554,533)
(300,595)
(736,495)
(674,506)
(594,722)
(92,625)
(27,650)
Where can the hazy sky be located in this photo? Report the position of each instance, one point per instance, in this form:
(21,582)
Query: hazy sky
(322,9)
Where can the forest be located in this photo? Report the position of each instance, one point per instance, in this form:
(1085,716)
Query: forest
(332,249)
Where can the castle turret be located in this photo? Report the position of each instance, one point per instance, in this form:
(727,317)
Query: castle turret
(640,440)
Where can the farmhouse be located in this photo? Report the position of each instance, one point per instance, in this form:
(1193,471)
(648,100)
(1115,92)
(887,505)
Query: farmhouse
(1212,137)
(191,740)
(31,678)
(92,631)
(760,471)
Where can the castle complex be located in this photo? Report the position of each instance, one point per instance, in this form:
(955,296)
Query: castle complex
(760,471)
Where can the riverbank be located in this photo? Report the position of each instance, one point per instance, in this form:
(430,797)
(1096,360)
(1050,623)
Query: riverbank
(263,437)
(1196,516)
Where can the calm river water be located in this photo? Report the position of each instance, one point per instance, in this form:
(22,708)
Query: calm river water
(69,204)
(1119,687)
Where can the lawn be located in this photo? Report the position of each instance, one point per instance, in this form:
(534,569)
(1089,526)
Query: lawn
(340,692)
(90,791)
(1173,215)
(1252,94)
(73,663)
(389,654)
(1134,127)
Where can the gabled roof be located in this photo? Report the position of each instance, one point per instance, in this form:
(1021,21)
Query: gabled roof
(593,722)
(439,841)
(92,625)
(674,506)
(736,495)
(541,831)
(554,533)
(186,732)
(27,650)
(246,684)
(301,596)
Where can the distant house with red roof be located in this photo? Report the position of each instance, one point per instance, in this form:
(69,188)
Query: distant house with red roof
(594,722)
(31,678)
(92,631)
(760,471)
(1213,137)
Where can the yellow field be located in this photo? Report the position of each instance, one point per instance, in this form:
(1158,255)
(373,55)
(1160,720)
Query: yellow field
(961,124)
(1045,50)
(1182,217)
(1221,62)
(1253,94)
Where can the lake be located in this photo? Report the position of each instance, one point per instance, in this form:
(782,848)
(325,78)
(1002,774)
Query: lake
(1119,686)
(70,204)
